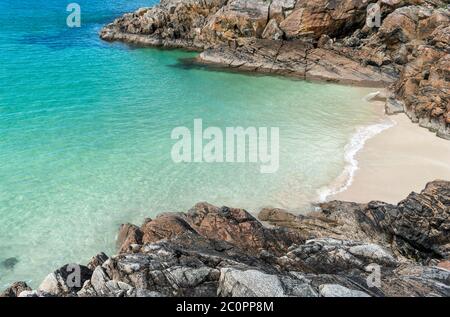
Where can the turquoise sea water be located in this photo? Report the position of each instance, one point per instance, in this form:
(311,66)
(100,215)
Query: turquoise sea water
(85,135)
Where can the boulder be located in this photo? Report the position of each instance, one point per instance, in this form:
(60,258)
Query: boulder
(15,289)
(250,283)
(67,280)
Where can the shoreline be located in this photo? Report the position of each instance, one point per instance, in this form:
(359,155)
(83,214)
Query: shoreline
(393,163)
(354,146)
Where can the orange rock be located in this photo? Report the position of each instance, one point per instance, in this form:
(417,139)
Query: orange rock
(444,264)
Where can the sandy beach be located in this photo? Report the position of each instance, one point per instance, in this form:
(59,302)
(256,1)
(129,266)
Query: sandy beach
(396,162)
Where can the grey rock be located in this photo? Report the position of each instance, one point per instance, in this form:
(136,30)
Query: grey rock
(249,283)
(333,255)
(15,289)
(374,253)
(97,260)
(35,293)
(335,290)
(66,280)
(394,106)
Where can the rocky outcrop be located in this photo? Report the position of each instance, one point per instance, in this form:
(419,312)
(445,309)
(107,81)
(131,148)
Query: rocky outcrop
(346,249)
(66,280)
(413,43)
(294,58)
(417,228)
(319,40)
(231,225)
(15,289)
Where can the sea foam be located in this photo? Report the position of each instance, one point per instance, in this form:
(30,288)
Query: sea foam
(356,144)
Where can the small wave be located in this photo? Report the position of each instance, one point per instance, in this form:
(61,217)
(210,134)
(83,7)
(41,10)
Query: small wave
(356,144)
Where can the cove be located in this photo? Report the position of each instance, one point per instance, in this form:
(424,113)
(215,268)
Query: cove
(85,145)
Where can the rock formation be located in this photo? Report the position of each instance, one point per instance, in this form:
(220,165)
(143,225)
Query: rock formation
(211,251)
(344,249)
(321,40)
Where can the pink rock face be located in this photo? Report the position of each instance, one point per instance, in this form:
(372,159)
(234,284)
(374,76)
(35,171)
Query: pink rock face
(128,234)
(316,18)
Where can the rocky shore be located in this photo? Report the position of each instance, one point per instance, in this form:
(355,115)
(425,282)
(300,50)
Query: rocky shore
(345,249)
(341,248)
(319,40)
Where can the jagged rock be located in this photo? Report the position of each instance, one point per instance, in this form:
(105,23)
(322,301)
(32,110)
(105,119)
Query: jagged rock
(295,58)
(238,18)
(97,260)
(15,289)
(66,280)
(272,31)
(128,235)
(372,253)
(418,227)
(325,42)
(225,251)
(239,228)
(100,285)
(163,227)
(235,226)
(422,222)
(444,264)
(412,44)
(414,280)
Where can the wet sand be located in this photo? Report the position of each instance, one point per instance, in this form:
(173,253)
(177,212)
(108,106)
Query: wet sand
(396,162)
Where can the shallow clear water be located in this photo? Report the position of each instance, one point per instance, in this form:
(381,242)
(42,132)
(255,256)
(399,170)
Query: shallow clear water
(85,135)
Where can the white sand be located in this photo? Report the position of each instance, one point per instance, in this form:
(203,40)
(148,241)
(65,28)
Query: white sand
(396,162)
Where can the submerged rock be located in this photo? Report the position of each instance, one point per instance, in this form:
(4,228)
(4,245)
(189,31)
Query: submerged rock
(9,263)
